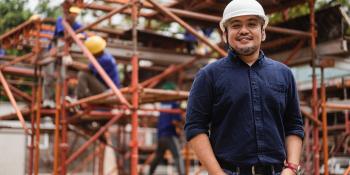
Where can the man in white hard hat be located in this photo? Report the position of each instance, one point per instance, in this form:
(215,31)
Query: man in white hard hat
(243,113)
(90,82)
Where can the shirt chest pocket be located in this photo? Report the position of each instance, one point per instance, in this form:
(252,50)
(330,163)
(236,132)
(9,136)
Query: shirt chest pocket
(275,94)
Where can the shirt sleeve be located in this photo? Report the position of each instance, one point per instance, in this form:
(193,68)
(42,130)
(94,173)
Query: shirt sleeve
(58,28)
(293,122)
(199,108)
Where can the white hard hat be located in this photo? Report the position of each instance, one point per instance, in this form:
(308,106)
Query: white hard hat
(241,8)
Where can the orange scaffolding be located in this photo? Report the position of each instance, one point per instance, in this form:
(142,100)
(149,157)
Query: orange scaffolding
(129,98)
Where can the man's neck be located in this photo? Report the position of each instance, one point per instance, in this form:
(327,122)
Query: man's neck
(250,59)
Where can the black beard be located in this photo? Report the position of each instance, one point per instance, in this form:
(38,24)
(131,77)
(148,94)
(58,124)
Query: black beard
(247,51)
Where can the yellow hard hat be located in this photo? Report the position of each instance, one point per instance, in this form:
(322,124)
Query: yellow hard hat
(74,9)
(95,44)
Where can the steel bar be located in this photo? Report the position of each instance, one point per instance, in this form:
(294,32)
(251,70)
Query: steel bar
(17,60)
(311,117)
(75,118)
(188,27)
(16,29)
(134,117)
(36,48)
(102,18)
(37,124)
(158,77)
(20,93)
(19,71)
(288,31)
(346,112)
(94,62)
(324,122)
(166,72)
(294,51)
(94,98)
(316,162)
(32,122)
(170,111)
(13,102)
(135,91)
(57,128)
(307,146)
(12,116)
(278,42)
(85,162)
(63,122)
(92,139)
(337,106)
(101,159)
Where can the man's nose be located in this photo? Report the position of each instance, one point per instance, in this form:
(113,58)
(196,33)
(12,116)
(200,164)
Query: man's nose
(244,30)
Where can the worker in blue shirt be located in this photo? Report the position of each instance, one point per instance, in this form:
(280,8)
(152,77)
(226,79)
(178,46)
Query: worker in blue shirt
(243,113)
(90,82)
(59,28)
(55,46)
(168,137)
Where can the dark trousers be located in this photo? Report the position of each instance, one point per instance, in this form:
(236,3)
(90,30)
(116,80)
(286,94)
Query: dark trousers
(171,143)
(89,85)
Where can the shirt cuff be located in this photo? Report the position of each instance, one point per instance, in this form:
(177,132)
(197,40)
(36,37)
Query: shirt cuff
(297,133)
(194,132)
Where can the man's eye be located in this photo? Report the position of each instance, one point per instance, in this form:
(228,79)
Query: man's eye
(235,26)
(252,25)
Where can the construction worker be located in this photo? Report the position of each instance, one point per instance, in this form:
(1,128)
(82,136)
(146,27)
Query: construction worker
(90,82)
(168,136)
(55,46)
(243,114)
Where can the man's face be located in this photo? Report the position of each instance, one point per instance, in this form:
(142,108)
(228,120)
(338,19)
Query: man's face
(245,34)
(71,17)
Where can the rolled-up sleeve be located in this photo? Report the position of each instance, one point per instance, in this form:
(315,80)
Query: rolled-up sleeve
(293,122)
(199,108)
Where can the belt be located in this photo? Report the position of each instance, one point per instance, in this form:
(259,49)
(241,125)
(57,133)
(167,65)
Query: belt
(253,169)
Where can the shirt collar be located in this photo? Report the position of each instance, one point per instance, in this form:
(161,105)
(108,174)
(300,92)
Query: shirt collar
(233,57)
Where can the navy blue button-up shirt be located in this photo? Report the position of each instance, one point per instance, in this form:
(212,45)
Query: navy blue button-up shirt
(247,111)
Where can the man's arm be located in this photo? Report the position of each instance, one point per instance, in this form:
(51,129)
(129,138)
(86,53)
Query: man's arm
(201,146)
(293,127)
(294,146)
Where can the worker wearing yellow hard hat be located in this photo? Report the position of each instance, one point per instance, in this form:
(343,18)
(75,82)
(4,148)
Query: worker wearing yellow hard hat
(90,82)
(95,44)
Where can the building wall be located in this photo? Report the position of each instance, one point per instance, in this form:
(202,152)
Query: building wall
(12,151)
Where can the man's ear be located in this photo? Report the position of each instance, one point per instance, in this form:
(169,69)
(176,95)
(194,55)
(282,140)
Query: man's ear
(263,35)
(224,36)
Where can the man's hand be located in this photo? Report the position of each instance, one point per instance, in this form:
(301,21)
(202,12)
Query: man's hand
(67,60)
(81,36)
(288,171)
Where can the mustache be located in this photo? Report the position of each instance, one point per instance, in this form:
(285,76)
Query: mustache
(241,37)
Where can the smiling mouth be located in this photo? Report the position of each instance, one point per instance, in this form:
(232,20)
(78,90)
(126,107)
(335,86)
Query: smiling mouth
(244,39)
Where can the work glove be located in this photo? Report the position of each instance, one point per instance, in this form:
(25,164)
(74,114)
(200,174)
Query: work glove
(67,60)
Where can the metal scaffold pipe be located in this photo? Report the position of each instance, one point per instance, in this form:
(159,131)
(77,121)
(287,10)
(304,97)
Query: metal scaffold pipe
(13,102)
(135,92)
